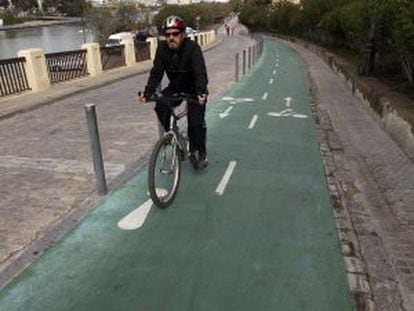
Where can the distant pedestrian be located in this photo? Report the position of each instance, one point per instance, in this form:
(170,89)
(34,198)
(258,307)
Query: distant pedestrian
(233,28)
(227,29)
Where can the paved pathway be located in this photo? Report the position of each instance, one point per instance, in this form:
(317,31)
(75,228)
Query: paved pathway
(45,160)
(374,175)
(377,184)
(262,239)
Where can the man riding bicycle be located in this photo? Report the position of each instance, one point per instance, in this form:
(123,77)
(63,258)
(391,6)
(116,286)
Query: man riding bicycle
(183,62)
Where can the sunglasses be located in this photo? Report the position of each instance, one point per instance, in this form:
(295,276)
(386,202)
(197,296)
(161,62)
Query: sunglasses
(172,34)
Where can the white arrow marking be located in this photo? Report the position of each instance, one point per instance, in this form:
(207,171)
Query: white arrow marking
(271,81)
(274,114)
(299,116)
(264,97)
(287,113)
(225,180)
(253,122)
(137,217)
(283,113)
(235,101)
(226,113)
(288,100)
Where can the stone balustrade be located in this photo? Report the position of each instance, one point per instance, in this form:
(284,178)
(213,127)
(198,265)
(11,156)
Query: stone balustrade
(38,74)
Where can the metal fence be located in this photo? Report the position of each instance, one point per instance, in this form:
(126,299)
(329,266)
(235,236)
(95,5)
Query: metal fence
(64,66)
(13,77)
(112,57)
(142,51)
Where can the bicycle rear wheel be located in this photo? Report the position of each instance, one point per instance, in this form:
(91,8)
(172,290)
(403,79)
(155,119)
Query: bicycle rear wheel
(164,172)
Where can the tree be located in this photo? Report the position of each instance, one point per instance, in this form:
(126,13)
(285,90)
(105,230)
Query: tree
(25,5)
(286,17)
(347,24)
(4,3)
(253,16)
(404,38)
(182,11)
(68,7)
(209,13)
(101,22)
(127,17)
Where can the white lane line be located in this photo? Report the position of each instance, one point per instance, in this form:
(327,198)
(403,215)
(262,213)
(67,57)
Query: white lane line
(136,218)
(226,112)
(288,101)
(253,122)
(225,180)
(264,97)
(271,81)
(274,72)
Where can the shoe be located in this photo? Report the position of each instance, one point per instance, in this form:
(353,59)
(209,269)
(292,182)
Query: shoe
(202,161)
(193,160)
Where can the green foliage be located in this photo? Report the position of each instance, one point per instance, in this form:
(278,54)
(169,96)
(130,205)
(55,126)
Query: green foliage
(101,21)
(286,18)
(67,7)
(404,29)
(403,33)
(25,5)
(183,11)
(254,16)
(126,17)
(10,19)
(4,3)
(314,10)
(348,24)
(209,13)
(236,5)
(388,25)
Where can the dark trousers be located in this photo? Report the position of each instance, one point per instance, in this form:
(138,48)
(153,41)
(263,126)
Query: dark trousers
(196,124)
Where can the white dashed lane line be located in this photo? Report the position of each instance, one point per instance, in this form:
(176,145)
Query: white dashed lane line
(253,121)
(226,178)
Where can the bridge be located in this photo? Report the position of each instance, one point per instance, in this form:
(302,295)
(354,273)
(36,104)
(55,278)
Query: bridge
(315,214)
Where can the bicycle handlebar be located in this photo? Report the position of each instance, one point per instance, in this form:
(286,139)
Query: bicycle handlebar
(173,97)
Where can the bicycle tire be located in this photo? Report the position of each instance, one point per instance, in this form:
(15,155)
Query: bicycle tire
(163,197)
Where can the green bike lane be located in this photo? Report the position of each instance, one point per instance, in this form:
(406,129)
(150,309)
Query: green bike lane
(262,239)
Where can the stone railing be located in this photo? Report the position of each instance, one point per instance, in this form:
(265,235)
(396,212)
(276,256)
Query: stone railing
(37,65)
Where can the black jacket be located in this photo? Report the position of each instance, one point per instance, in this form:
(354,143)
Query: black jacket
(185,69)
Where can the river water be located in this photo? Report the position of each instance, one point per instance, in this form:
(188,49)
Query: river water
(55,38)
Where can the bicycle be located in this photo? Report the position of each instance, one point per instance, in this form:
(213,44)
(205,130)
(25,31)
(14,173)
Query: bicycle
(164,170)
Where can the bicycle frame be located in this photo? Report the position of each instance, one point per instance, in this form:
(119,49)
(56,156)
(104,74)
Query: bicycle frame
(171,149)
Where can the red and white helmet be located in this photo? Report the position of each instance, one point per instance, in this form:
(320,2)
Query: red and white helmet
(174,22)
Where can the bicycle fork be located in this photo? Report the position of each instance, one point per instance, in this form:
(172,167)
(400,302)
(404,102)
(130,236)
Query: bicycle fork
(168,165)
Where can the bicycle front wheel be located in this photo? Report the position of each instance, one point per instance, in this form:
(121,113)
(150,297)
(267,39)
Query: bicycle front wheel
(164,172)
